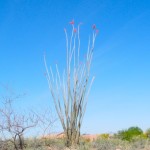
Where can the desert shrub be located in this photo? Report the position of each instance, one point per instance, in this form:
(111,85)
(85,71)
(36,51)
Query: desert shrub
(84,140)
(84,146)
(58,143)
(135,131)
(5,145)
(147,133)
(129,134)
(103,136)
(111,144)
(34,144)
(44,144)
(138,143)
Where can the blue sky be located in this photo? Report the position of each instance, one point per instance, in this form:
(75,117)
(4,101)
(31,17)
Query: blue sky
(120,96)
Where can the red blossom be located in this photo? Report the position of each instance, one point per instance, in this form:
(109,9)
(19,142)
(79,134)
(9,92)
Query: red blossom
(71,22)
(75,30)
(94,26)
(97,31)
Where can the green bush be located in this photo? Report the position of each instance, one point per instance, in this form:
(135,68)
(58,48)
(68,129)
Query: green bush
(130,133)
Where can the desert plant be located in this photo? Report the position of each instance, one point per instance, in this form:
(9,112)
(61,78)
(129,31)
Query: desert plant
(111,144)
(13,125)
(71,90)
(130,133)
(103,136)
(147,133)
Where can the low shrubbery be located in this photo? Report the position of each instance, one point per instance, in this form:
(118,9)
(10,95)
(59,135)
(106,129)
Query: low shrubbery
(130,139)
(130,133)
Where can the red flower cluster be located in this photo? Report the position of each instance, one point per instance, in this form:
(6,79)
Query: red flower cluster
(94,28)
(71,22)
(75,30)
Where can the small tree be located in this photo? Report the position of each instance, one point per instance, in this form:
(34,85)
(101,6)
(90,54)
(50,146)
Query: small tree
(13,125)
(71,90)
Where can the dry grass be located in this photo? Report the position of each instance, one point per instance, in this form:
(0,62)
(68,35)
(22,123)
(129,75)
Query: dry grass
(88,142)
